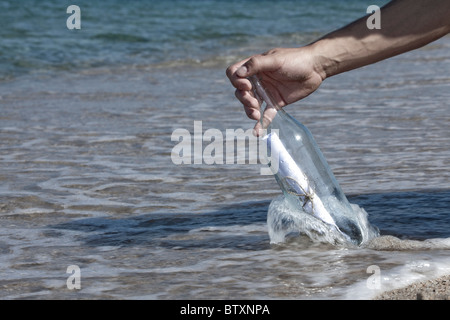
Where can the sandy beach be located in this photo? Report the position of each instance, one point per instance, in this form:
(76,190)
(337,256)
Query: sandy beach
(434,289)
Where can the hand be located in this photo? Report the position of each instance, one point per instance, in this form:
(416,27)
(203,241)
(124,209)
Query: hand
(288,75)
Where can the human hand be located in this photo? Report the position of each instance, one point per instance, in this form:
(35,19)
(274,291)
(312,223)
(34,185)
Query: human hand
(287,74)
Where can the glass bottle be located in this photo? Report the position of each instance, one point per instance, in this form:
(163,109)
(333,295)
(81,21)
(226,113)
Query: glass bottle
(302,172)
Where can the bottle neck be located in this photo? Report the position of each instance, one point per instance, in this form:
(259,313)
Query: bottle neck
(270,110)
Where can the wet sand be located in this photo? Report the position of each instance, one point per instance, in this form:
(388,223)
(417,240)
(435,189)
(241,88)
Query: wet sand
(435,289)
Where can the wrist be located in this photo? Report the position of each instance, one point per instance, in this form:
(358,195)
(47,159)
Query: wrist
(324,63)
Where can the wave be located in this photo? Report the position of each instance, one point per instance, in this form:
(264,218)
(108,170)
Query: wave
(121,37)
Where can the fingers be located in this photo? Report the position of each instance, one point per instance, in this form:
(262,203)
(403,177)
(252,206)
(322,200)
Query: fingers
(238,79)
(238,74)
(251,104)
(267,117)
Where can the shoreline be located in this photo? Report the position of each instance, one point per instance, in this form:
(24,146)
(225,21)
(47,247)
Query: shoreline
(433,289)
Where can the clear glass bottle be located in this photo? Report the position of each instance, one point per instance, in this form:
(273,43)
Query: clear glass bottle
(302,172)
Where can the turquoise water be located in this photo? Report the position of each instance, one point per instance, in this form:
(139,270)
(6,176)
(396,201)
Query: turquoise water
(86,176)
(35,36)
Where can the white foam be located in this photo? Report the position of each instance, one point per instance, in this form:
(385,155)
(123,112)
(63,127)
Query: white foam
(398,277)
(283,219)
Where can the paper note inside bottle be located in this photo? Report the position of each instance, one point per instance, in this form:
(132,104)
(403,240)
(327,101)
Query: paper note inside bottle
(293,180)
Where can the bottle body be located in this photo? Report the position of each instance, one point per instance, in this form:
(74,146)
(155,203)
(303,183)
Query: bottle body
(302,171)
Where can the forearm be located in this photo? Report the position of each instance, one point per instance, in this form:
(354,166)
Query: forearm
(405,25)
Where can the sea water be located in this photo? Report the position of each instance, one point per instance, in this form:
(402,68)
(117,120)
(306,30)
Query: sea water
(85,156)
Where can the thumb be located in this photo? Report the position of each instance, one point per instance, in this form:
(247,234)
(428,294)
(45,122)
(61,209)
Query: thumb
(254,65)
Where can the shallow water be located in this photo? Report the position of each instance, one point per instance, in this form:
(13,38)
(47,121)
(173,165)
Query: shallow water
(87,180)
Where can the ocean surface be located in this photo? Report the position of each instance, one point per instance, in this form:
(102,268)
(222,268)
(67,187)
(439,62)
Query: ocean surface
(88,182)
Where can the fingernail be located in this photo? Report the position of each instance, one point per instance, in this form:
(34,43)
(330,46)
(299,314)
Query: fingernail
(254,114)
(258,132)
(242,71)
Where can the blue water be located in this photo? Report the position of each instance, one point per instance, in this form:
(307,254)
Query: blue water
(35,37)
(86,176)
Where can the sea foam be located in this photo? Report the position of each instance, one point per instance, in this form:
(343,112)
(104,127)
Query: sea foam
(284,219)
